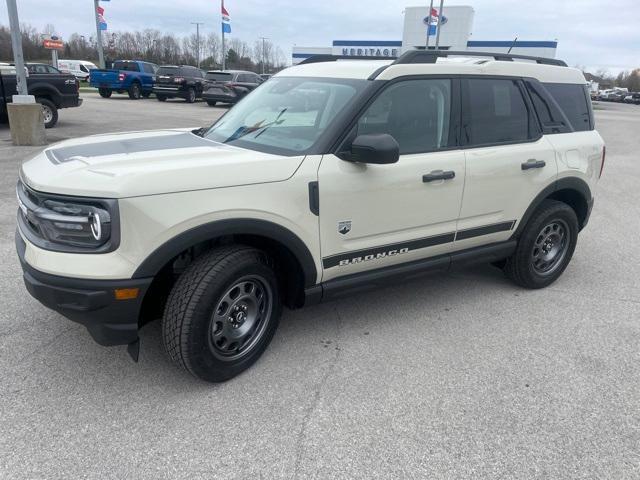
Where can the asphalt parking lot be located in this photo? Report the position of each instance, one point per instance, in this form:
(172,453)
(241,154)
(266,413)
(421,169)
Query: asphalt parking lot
(461,376)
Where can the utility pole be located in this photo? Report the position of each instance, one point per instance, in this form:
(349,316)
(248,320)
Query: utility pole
(197,24)
(439,25)
(99,34)
(429,23)
(264,53)
(16,45)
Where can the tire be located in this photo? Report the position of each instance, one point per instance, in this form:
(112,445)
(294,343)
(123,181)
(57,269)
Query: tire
(545,246)
(49,112)
(161,98)
(146,94)
(238,281)
(135,92)
(105,92)
(211,103)
(191,95)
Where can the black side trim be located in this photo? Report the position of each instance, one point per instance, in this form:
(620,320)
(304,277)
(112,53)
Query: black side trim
(349,284)
(571,183)
(247,226)
(314,198)
(478,231)
(384,250)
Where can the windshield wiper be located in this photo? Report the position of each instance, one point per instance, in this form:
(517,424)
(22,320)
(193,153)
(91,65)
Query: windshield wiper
(244,130)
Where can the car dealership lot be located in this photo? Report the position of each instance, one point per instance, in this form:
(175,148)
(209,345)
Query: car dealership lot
(460,376)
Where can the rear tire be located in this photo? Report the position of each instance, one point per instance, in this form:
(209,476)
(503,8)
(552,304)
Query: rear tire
(222,313)
(49,112)
(105,92)
(135,92)
(191,95)
(146,94)
(161,98)
(211,103)
(545,246)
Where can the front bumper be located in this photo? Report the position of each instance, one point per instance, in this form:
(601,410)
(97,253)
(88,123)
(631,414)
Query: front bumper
(91,303)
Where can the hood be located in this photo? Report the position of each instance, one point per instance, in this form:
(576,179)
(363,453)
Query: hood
(148,163)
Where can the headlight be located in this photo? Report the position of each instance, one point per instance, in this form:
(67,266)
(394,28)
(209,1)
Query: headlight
(53,222)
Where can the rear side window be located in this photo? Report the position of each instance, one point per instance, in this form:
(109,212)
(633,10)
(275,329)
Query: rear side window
(551,117)
(574,102)
(219,76)
(496,112)
(416,113)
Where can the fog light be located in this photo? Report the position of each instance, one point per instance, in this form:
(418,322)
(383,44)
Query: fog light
(126,293)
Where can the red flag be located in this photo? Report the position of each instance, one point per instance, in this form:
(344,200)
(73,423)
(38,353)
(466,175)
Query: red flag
(100,11)
(224,10)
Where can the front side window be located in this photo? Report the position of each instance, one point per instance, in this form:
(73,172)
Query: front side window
(286,116)
(415,112)
(496,112)
(84,69)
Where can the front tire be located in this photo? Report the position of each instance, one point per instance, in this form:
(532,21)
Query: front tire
(211,103)
(105,92)
(49,112)
(161,98)
(222,313)
(545,247)
(191,95)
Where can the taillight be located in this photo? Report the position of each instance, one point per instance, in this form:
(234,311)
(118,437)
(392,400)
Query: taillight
(121,77)
(604,152)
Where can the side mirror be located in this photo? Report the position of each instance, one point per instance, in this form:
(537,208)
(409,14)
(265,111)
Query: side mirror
(379,148)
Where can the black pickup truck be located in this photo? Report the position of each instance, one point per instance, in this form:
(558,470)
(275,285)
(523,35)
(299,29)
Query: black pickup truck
(53,90)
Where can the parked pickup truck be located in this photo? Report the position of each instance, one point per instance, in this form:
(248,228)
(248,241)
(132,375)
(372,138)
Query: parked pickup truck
(52,90)
(132,76)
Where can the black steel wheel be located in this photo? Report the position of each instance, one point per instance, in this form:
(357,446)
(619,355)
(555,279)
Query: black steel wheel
(222,313)
(545,246)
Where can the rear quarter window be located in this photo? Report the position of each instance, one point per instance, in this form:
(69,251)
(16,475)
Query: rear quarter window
(574,102)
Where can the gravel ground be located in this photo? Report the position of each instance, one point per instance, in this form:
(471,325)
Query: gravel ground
(458,376)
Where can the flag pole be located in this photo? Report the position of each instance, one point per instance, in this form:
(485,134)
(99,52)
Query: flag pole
(439,25)
(224,60)
(98,35)
(429,23)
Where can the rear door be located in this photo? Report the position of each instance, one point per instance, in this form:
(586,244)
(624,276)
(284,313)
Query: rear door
(374,216)
(508,161)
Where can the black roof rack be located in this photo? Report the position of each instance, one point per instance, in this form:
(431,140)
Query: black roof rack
(421,55)
(320,58)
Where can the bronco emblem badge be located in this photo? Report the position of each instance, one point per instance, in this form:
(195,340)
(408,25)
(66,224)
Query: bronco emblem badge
(344,227)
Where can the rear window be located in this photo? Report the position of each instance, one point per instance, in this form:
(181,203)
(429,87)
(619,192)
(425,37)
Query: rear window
(575,102)
(128,66)
(167,71)
(497,112)
(219,76)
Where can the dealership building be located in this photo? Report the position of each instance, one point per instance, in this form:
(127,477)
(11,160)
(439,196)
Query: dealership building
(456,26)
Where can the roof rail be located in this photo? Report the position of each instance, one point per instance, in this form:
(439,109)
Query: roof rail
(421,55)
(320,58)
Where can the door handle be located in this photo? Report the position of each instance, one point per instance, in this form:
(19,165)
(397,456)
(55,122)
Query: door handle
(533,163)
(438,175)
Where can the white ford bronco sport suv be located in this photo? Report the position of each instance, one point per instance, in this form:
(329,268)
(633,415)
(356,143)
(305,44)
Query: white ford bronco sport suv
(334,176)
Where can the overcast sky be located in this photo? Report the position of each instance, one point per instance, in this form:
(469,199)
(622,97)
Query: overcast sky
(589,33)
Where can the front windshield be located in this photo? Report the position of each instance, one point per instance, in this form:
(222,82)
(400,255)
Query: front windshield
(285,115)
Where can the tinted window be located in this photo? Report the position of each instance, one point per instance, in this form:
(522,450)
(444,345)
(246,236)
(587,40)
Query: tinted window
(167,70)
(219,76)
(84,69)
(147,68)
(243,77)
(128,66)
(416,113)
(497,112)
(52,69)
(551,118)
(573,101)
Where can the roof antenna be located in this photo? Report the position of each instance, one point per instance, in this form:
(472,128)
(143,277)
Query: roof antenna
(512,45)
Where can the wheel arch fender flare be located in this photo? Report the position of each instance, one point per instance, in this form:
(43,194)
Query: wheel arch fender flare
(571,183)
(45,90)
(221,228)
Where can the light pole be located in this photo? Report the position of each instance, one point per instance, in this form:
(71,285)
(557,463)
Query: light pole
(197,24)
(16,45)
(264,54)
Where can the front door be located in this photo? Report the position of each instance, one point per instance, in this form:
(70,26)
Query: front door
(374,216)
